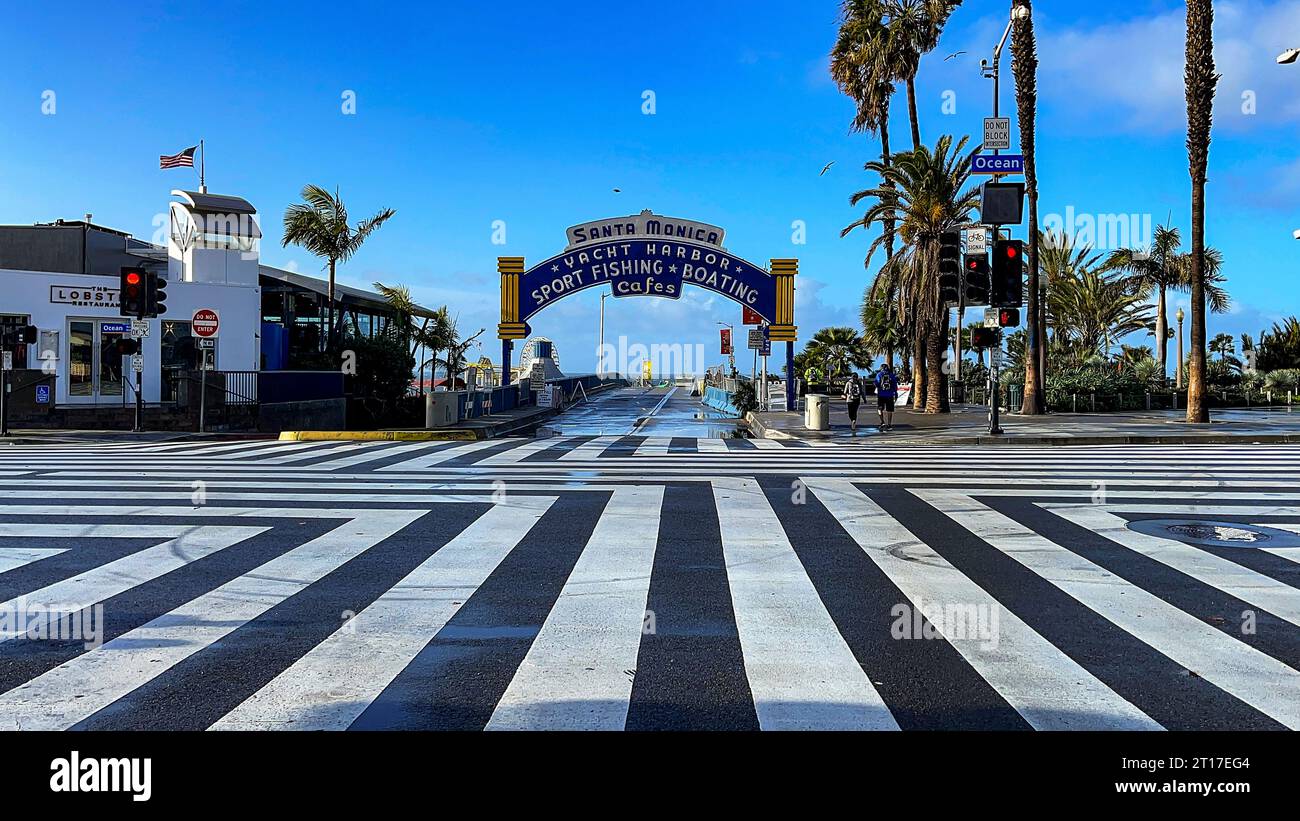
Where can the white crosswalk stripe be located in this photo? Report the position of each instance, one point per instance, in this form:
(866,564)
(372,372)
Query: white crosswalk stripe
(97,523)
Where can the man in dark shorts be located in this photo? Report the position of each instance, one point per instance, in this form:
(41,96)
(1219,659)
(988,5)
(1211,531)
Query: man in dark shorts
(853,396)
(886,393)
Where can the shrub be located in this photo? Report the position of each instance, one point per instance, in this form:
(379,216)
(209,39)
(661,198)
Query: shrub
(1283,379)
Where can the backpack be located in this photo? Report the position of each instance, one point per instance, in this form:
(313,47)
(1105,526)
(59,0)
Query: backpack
(853,389)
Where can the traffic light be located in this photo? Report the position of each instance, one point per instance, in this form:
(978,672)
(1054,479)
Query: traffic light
(131,293)
(1008,317)
(977,279)
(984,337)
(126,346)
(1008,276)
(155,293)
(950,266)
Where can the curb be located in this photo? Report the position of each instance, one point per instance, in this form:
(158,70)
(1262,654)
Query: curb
(377,435)
(1243,438)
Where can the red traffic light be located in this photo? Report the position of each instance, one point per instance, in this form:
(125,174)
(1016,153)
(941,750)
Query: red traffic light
(1012,251)
(1008,317)
(132,278)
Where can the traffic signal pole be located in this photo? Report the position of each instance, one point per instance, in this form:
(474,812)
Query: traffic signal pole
(4,398)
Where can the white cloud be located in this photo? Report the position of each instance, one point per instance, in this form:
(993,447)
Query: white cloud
(1129,76)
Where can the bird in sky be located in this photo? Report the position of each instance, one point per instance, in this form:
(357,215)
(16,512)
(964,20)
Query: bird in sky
(826,167)
(618,190)
(954,54)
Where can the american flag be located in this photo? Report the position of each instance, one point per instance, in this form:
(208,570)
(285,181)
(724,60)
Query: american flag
(181,160)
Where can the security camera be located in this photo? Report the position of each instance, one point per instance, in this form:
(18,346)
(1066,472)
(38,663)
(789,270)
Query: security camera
(1296,233)
(1020,13)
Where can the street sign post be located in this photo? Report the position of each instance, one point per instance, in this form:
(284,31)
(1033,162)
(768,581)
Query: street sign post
(997,133)
(755,339)
(139,329)
(975,240)
(137,363)
(997,164)
(991,317)
(537,378)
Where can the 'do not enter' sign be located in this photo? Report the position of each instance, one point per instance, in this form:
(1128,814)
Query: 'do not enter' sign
(204,323)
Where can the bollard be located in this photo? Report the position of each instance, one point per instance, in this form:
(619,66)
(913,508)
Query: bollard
(1093,399)
(1074,403)
(1148,400)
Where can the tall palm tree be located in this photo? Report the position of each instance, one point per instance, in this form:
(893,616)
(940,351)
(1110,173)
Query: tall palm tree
(320,226)
(912,31)
(860,67)
(928,196)
(1024,65)
(1200,80)
(1157,268)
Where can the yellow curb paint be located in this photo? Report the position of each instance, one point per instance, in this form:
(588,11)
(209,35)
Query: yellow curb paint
(376,435)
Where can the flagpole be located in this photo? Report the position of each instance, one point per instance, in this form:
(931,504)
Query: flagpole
(203,186)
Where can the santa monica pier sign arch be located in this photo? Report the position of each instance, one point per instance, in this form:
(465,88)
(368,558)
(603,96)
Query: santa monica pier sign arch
(648,255)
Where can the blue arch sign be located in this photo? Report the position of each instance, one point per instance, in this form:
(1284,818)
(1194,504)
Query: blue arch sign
(647,255)
(647,267)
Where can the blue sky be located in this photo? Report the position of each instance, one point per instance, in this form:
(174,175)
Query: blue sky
(515,111)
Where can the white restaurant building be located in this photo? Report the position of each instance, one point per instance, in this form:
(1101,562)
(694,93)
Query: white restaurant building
(63,277)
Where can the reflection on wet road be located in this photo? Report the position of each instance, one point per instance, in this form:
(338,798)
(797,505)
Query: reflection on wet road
(670,411)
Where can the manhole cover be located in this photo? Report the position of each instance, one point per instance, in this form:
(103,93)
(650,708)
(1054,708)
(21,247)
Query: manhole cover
(1216,534)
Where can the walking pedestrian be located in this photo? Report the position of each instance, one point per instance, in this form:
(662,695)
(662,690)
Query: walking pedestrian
(853,396)
(886,393)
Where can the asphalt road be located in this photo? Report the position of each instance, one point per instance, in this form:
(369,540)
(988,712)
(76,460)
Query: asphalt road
(647,582)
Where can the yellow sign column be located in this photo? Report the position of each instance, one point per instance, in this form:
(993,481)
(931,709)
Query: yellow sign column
(784,329)
(511,328)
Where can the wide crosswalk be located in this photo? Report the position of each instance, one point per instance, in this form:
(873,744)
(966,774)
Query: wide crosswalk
(624,582)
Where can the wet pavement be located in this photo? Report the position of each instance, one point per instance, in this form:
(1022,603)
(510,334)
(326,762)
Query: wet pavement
(669,411)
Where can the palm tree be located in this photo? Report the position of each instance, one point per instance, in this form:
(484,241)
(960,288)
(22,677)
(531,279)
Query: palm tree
(1157,268)
(927,197)
(1024,65)
(320,226)
(860,67)
(1200,80)
(1058,258)
(838,350)
(912,31)
(1223,344)
(881,331)
(1093,310)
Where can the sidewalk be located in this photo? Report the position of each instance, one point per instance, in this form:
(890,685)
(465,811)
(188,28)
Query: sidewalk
(968,425)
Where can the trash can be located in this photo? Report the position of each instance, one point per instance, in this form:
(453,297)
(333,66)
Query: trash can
(817,412)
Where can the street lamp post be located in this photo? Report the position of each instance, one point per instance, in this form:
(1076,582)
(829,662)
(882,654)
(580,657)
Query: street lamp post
(1178,366)
(994,72)
(600,346)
